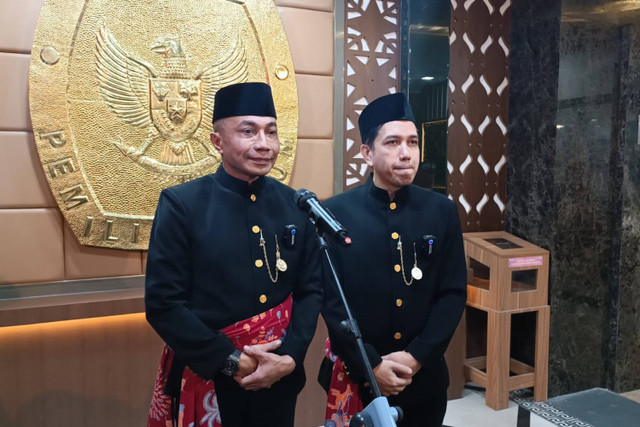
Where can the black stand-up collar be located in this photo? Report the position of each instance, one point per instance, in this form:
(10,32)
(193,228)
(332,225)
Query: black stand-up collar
(382,196)
(238,185)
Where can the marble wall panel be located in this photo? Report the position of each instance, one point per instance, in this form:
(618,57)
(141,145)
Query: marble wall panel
(532,120)
(585,239)
(573,183)
(628,339)
(533,96)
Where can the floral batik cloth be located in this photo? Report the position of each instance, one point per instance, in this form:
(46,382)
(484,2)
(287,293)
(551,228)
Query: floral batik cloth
(198,399)
(343,397)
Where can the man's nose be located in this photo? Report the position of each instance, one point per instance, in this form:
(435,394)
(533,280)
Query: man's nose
(261,141)
(403,151)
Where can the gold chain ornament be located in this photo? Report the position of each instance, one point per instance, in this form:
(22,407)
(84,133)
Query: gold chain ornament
(281,264)
(416,273)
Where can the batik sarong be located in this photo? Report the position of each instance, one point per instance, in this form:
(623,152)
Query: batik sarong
(343,397)
(198,405)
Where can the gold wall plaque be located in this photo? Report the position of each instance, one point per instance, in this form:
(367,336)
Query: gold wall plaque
(121,95)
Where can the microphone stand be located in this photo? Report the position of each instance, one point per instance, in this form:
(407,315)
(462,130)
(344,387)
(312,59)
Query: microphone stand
(378,413)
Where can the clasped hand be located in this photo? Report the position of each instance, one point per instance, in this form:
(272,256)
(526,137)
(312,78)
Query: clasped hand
(395,372)
(260,368)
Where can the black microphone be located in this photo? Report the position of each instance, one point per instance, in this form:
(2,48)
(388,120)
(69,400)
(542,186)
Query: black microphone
(320,216)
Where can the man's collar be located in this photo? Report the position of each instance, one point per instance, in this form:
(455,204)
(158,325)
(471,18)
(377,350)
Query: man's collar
(238,185)
(383,195)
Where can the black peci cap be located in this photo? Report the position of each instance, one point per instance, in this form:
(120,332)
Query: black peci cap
(244,99)
(385,109)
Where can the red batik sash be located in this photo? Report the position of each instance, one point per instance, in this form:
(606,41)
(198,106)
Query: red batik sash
(343,398)
(198,400)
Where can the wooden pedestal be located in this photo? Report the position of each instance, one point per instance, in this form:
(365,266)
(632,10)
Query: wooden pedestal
(507,276)
(499,373)
(505,272)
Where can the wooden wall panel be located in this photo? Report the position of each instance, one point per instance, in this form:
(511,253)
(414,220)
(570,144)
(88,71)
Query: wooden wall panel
(372,69)
(478,111)
(479,39)
(90,372)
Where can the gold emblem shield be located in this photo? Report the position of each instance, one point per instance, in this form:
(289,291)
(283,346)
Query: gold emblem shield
(121,95)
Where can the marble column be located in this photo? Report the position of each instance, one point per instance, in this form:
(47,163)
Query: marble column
(573,181)
(627,341)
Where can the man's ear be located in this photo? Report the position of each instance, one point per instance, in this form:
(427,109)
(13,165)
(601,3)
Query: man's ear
(367,154)
(216,141)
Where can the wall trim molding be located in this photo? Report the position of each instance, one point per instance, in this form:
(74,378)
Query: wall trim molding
(23,304)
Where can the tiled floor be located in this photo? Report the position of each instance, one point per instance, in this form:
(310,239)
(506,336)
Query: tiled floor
(633,395)
(471,411)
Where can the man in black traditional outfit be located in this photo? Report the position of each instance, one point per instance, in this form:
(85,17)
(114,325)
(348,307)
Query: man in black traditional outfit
(232,280)
(404,276)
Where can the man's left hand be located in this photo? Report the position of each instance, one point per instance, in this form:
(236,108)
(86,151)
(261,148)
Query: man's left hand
(405,358)
(271,367)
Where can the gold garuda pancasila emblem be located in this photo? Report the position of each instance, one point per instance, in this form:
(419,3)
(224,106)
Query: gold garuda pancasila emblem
(121,96)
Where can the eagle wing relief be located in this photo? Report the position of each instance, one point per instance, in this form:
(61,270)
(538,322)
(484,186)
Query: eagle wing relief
(232,69)
(175,109)
(124,85)
(123,80)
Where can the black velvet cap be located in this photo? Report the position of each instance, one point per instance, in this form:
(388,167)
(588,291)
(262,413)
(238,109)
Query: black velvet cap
(244,99)
(385,109)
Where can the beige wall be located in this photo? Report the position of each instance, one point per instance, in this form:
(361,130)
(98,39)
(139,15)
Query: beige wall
(32,230)
(100,372)
(92,372)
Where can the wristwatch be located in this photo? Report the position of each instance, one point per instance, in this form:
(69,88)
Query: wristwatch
(231,365)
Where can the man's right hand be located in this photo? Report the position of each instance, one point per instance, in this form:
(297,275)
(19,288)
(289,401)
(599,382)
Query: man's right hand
(392,377)
(271,367)
(248,365)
